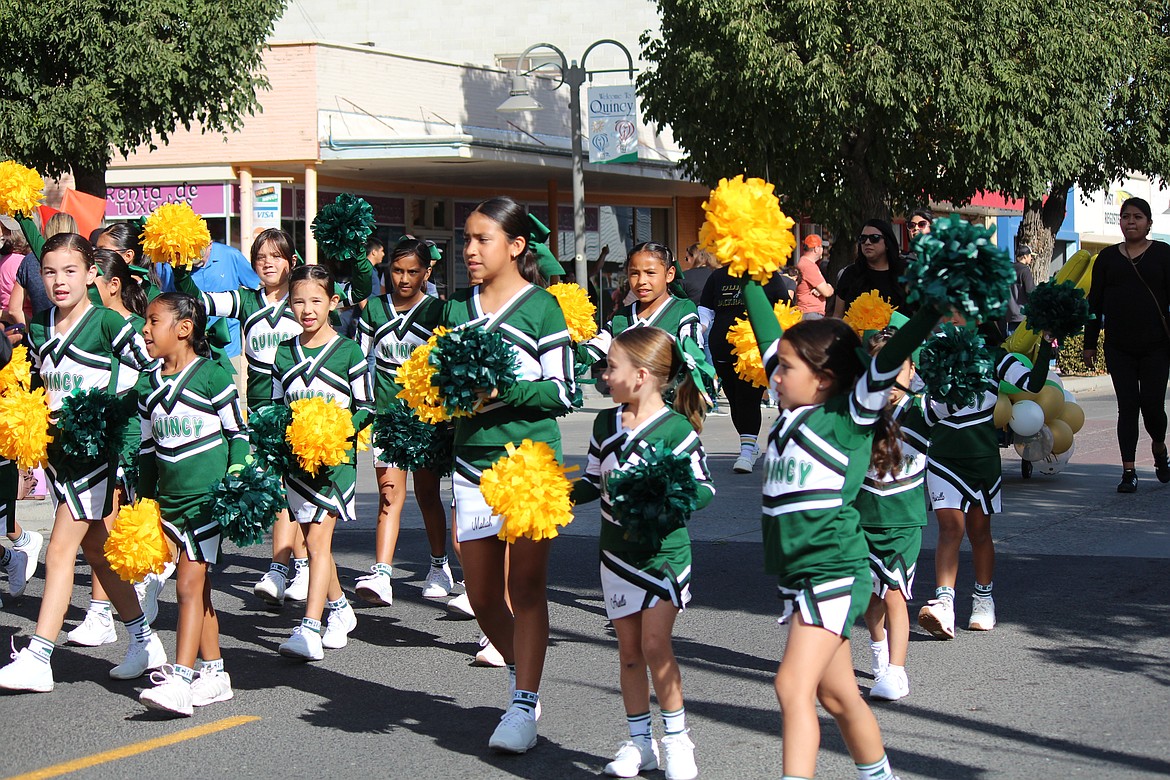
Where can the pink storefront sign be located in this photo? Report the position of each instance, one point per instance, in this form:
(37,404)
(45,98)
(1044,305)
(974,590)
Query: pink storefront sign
(207,200)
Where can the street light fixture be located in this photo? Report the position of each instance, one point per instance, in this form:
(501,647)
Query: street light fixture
(574,76)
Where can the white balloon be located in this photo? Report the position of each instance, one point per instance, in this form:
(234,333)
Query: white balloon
(1027,418)
(1055,378)
(1069,398)
(1052,464)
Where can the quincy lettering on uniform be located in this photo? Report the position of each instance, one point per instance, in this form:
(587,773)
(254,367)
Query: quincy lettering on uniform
(297,395)
(263,341)
(62,381)
(177,426)
(793,471)
(397,350)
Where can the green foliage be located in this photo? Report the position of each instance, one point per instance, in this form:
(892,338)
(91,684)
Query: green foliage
(89,77)
(1070,360)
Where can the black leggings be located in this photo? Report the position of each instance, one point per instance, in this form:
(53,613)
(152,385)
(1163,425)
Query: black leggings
(1139,380)
(744,399)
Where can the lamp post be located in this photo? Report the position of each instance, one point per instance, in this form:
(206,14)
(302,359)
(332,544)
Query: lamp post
(574,75)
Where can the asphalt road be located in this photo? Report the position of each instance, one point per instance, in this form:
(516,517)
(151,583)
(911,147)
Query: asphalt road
(1074,682)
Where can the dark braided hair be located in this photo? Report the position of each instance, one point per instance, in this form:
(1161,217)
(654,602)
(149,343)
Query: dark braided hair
(185,307)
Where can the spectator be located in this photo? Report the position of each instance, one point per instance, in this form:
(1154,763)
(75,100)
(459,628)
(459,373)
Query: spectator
(1021,288)
(879,266)
(812,291)
(697,265)
(13,248)
(920,221)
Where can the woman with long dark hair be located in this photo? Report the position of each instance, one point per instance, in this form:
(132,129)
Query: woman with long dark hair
(879,266)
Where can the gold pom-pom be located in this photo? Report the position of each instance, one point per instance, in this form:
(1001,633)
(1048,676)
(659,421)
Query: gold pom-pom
(416,375)
(136,545)
(869,311)
(529,489)
(749,363)
(578,310)
(21,189)
(175,234)
(24,426)
(18,372)
(319,433)
(363,438)
(745,228)
(787,314)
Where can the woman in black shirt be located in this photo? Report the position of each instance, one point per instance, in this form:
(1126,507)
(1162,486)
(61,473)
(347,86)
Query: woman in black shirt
(879,266)
(1130,294)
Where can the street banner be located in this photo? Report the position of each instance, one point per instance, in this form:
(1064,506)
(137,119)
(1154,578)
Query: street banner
(265,206)
(613,124)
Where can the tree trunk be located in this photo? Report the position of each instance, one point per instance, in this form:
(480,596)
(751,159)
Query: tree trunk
(1038,229)
(90,182)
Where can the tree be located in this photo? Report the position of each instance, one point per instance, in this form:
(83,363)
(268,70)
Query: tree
(87,78)
(867,109)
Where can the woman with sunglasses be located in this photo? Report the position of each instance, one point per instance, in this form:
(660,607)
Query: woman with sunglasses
(878,267)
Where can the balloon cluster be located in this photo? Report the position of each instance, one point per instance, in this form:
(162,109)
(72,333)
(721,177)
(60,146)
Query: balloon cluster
(1043,423)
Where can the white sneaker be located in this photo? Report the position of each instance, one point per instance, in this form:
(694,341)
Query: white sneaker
(17,570)
(27,673)
(633,758)
(148,592)
(746,462)
(304,645)
(171,693)
(211,687)
(439,582)
(33,550)
(375,588)
(337,627)
(140,656)
(271,588)
(982,614)
(460,607)
(678,757)
(488,655)
(516,732)
(938,618)
(298,588)
(891,686)
(96,630)
(880,657)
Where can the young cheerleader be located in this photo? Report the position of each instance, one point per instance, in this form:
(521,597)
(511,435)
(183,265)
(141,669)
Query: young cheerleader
(817,455)
(645,584)
(390,327)
(192,435)
(506,300)
(321,364)
(76,346)
(122,294)
(892,506)
(963,476)
(265,321)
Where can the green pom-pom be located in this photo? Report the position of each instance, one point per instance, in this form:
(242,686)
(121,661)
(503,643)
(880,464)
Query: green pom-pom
(957,267)
(955,366)
(342,227)
(1060,309)
(266,427)
(654,496)
(467,360)
(246,503)
(88,420)
(411,444)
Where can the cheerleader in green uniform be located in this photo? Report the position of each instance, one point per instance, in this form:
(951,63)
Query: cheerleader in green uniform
(646,583)
(390,328)
(76,346)
(506,299)
(321,364)
(192,434)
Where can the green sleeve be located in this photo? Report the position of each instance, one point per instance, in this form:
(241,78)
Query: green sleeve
(184,283)
(361,282)
(908,338)
(1039,373)
(32,234)
(703,496)
(761,315)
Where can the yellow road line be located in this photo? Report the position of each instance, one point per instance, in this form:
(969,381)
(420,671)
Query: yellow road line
(56,770)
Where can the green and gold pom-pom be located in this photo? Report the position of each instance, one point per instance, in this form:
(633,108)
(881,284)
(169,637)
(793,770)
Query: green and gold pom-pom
(342,227)
(137,545)
(21,189)
(1060,309)
(955,366)
(245,504)
(655,496)
(319,434)
(580,313)
(745,228)
(411,444)
(266,432)
(529,489)
(468,361)
(88,420)
(176,235)
(957,267)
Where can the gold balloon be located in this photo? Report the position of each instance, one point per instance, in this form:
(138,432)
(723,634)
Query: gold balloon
(1074,415)
(1003,410)
(1023,395)
(1051,400)
(1062,436)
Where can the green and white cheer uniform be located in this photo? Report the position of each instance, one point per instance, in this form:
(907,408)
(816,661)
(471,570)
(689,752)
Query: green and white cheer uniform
(636,575)
(893,507)
(963,468)
(390,336)
(676,316)
(336,372)
(192,432)
(534,326)
(91,353)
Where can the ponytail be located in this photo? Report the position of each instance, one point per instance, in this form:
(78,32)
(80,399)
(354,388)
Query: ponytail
(688,401)
(885,456)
